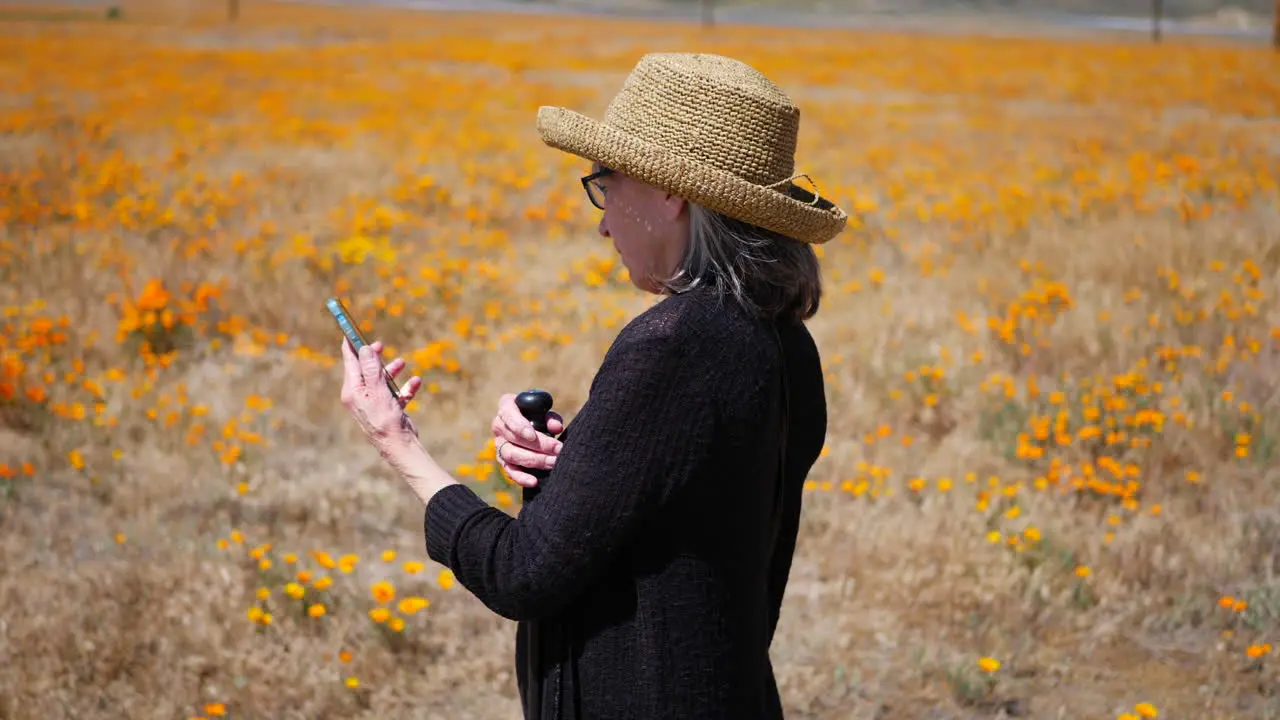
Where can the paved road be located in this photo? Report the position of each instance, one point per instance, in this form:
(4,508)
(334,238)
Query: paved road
(1026,22)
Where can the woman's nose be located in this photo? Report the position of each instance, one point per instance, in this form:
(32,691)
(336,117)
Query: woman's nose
(603,227)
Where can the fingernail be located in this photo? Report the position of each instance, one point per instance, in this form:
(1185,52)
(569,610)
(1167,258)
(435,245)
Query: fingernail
(529,434)
(552,461)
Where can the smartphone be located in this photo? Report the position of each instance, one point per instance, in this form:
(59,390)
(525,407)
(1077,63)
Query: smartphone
(348,327)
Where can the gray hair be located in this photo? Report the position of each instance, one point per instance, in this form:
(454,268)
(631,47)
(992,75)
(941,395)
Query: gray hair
(771,275)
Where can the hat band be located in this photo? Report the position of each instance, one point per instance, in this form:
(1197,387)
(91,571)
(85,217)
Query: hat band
(817,196)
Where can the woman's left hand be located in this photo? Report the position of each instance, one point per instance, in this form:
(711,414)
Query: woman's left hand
(365,393)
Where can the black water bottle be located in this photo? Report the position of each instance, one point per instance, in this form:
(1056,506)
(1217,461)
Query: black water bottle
(534,406)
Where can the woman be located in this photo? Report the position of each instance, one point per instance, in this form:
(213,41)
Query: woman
(646,571)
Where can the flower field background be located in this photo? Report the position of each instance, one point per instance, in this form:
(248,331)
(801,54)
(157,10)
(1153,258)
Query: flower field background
(1050,333)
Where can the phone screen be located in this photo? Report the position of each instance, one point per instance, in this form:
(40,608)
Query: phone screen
(348,327)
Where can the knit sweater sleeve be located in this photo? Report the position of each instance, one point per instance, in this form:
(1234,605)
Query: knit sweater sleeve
(644,430)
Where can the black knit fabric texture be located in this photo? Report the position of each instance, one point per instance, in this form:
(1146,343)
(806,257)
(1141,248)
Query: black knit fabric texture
(640,571)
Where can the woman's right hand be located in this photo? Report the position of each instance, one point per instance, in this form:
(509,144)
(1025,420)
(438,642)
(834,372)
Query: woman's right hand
(519,446)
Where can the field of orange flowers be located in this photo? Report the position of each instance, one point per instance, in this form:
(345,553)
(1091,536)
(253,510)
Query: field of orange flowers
(1050,333)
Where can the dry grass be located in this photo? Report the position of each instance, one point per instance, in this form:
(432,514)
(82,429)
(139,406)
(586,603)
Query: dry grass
(1051,338)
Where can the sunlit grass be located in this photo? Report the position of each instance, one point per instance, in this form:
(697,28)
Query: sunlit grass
(1050,340)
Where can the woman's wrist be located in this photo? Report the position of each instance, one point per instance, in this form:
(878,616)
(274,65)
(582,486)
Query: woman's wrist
(419,470)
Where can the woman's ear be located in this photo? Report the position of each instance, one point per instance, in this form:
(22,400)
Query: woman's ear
(673,206)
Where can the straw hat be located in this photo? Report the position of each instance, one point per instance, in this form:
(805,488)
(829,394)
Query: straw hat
(709,129)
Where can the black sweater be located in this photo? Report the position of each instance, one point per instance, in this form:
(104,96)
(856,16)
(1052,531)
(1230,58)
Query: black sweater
(640,571)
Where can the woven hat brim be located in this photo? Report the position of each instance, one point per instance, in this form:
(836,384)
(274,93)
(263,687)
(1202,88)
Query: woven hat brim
(792,213)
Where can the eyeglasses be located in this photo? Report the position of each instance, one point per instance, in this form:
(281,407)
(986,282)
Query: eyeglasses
(596,193)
